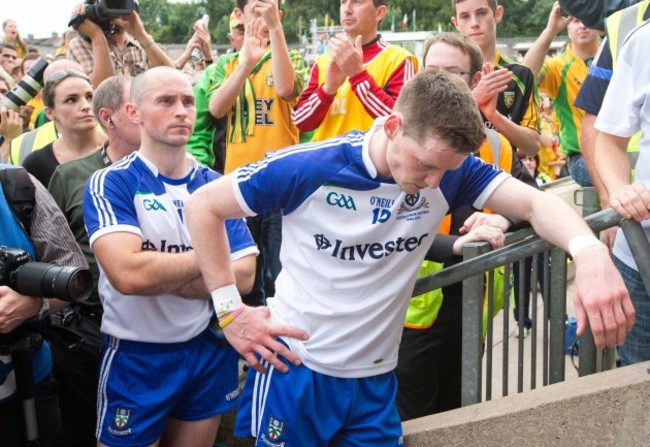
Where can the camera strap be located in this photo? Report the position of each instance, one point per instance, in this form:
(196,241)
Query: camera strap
(20,193)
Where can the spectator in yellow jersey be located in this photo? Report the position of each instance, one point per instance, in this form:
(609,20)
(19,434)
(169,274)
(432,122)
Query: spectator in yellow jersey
(561,77)
(256,89)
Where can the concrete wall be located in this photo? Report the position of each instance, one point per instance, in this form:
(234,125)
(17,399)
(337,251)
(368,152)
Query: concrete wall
(606,409)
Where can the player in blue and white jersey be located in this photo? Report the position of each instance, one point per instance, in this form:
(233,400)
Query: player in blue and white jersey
(164,371)
(360,211)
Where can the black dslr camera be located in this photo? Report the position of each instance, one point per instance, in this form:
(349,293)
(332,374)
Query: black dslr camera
(102,11)
(40,279)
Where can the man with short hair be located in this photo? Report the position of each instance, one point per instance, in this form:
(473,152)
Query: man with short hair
(75,336)
(515,112)
(157,313)
(561,77)
(8,57)
(430,352)
(358,79)
(359,213)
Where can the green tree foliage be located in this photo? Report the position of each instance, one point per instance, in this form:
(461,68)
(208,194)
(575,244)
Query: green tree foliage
(171,21)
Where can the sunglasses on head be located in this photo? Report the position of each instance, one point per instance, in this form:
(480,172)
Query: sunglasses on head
(60,75)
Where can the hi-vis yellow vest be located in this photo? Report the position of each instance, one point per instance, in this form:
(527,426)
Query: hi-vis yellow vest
(25,144)
(423,309)
(619,25)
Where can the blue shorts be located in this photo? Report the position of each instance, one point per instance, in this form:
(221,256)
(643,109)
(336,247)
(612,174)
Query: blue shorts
(306,408)
(142,384)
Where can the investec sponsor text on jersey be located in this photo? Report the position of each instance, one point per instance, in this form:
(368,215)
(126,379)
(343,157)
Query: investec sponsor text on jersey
(374,250)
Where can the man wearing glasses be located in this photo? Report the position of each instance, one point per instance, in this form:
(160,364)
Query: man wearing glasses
(429,361)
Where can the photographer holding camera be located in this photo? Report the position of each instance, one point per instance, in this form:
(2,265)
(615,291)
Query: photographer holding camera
(46,237)
(111,42)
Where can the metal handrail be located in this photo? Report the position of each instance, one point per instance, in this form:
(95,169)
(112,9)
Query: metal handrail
(527,247)
(520,245)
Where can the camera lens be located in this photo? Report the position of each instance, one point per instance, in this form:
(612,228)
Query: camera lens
(52,281)
(27,87)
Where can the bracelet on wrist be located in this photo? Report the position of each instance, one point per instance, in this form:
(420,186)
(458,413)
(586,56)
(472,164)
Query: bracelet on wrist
(207,61)
(579,243)
(225,300)
(226,320)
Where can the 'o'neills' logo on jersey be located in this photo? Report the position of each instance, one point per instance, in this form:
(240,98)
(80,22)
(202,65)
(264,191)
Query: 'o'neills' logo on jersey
(341,200)
(413,207)
(372,250)
(508,98)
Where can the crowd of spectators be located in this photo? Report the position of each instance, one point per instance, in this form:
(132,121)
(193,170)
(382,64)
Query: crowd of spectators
(344,168)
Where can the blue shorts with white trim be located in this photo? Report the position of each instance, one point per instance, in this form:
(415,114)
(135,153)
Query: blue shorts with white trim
(307,408)
(142,384)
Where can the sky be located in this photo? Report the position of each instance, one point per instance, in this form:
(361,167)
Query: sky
(38,17)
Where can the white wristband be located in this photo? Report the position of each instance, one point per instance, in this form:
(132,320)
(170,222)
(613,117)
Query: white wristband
(578,243)
(225,299)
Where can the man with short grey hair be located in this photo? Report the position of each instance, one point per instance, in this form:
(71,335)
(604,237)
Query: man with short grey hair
(75,336)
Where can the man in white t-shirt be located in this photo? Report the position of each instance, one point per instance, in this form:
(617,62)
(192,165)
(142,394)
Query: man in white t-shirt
(625,111)
(359,213)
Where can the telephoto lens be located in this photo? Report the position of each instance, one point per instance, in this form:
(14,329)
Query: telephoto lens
(41,279)
(27,87)
(70,284)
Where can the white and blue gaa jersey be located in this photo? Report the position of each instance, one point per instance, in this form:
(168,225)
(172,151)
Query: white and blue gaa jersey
(351,246)
(131,196)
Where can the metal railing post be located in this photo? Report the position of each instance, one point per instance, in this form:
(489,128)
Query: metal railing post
(638,242)
(588,355)
(557,315)
(472,365)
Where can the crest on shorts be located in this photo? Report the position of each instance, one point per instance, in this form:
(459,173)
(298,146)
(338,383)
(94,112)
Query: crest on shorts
(508,99)
(122,417)
(275,428)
